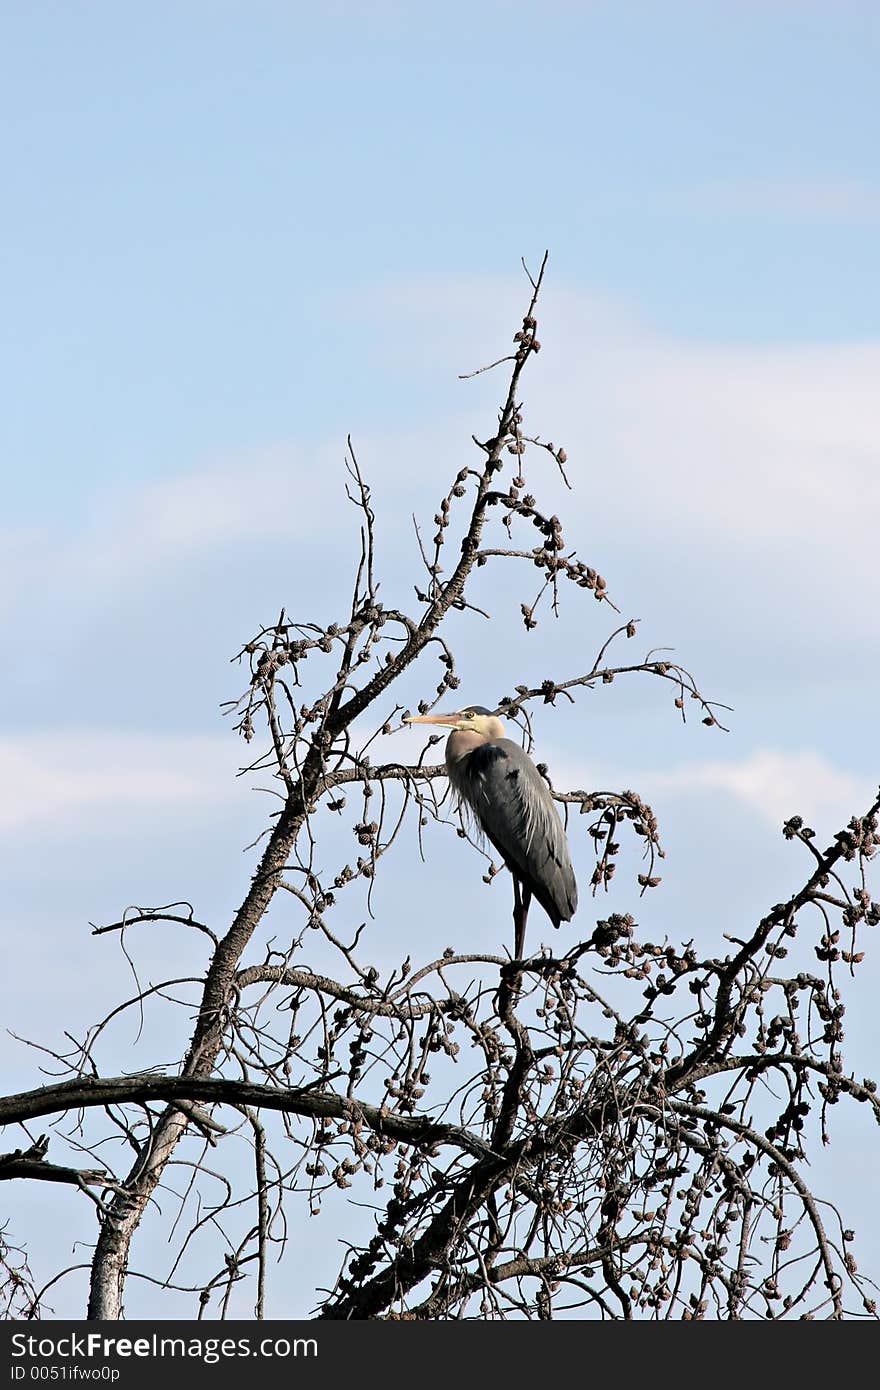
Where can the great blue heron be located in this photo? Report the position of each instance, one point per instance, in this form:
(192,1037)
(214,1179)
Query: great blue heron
(513,807)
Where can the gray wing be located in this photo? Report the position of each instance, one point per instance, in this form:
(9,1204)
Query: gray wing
(515,811)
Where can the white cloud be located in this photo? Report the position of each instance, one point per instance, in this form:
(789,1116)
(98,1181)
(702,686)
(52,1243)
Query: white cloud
(701,442)
(679,451)
(839,200)
(134,533)
(68,780)
(775,784)
(748,472)
(264,495)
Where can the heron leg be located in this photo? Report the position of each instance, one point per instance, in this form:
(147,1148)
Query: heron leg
(521,902)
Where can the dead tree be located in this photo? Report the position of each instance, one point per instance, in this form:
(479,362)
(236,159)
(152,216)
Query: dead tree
(617,1130)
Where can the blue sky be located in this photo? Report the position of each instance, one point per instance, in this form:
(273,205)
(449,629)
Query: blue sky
(234,233)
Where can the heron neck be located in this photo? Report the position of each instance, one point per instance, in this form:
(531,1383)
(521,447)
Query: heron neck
(461,742)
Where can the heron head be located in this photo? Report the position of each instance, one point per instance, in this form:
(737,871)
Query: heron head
(474,719)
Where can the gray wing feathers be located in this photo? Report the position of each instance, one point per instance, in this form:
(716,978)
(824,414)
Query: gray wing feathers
(515,810)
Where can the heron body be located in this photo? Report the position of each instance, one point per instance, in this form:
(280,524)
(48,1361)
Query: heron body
(511,803)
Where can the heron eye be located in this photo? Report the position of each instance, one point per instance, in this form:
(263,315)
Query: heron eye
(468,714)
